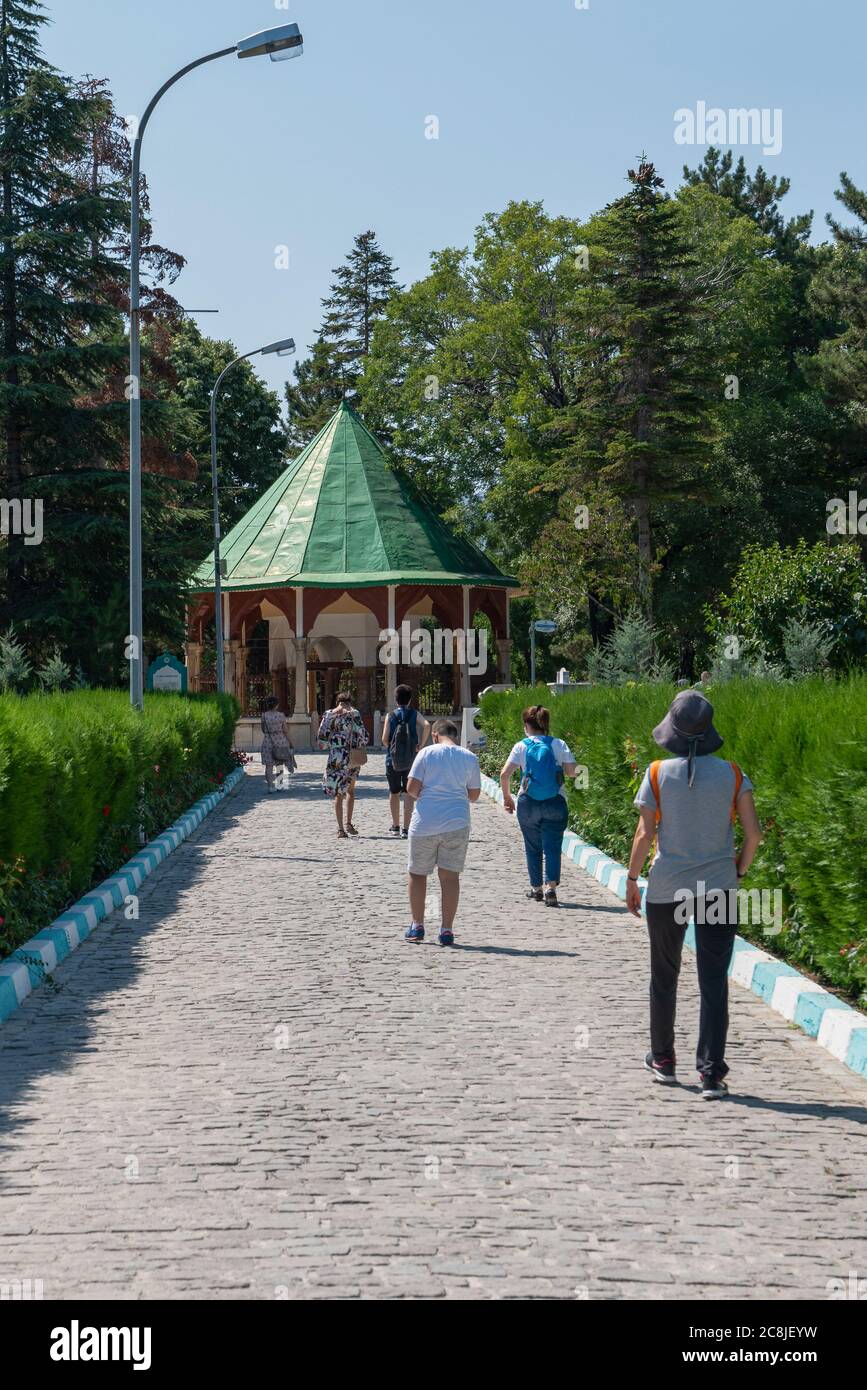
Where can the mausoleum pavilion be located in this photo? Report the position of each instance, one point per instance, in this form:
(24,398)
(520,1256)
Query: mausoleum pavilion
(340,548)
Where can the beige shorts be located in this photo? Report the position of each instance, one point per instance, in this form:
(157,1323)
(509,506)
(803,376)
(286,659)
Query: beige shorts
(429,852)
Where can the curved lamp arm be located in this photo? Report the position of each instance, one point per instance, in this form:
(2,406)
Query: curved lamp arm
(284,41)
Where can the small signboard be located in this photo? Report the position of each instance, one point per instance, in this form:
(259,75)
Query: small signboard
(167,673)
(545,625)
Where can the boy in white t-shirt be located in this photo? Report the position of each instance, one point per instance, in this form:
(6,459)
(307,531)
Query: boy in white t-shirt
(443,780)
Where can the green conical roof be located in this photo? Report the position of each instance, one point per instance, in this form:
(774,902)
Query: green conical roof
(342,517)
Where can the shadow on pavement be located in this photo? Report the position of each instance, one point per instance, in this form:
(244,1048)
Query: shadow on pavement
(53,1025)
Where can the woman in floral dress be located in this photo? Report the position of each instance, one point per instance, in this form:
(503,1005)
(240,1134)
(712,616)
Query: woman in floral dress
(341,729)
(276,743)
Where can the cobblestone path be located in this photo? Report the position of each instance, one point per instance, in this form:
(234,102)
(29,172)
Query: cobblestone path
(258,1090)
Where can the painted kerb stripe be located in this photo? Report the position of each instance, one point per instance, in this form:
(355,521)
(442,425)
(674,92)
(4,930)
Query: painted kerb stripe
(26,968)
(835,1025)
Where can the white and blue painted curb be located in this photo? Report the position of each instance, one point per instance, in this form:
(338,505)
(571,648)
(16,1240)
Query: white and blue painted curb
(28,966)
(835,1025)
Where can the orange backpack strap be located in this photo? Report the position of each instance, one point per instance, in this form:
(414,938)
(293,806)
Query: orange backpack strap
(739,781)
(654,783)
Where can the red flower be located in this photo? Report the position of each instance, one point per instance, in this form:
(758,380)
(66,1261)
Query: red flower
(106,810)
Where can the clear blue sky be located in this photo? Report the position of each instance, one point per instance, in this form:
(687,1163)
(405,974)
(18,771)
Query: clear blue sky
(535,100)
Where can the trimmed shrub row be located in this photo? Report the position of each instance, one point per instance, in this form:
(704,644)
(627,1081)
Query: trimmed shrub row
(804,745)
(80,774)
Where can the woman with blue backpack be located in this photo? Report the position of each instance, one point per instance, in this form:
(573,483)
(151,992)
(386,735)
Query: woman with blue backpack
(544,763)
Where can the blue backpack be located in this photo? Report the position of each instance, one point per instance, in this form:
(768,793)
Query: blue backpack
(543,776)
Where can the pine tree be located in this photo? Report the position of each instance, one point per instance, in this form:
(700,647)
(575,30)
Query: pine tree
(61,330)
(839,294)
(359,294)
(646,393)
(854,200)
(757,196)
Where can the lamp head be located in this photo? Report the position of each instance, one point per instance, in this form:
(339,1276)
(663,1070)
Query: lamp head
(284,348)
(286,41)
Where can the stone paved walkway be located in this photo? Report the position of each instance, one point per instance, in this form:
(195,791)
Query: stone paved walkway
(258,1090)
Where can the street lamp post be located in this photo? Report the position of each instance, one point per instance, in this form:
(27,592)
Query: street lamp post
(280,43)
(538,625)
(282,348)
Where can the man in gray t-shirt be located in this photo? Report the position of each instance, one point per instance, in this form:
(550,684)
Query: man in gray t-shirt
(689,804)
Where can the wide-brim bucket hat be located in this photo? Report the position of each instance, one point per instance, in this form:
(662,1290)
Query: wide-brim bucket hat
(688,728)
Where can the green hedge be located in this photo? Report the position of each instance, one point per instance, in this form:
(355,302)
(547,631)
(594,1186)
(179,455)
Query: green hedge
(80,773)
(805,747)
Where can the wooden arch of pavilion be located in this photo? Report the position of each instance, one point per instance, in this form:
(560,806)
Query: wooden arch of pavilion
(340,548)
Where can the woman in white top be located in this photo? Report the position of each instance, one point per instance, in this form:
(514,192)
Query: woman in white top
(542,810)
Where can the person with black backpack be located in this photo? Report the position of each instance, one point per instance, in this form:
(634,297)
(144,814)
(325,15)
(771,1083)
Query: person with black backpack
(544,763)
(405,731)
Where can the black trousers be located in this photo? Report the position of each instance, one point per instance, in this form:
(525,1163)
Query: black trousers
(714,945)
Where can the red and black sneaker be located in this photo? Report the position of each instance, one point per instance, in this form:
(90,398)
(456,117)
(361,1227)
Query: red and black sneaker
(662,1071)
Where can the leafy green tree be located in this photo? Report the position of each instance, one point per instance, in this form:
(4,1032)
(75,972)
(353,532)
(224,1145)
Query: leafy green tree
(755,195)
(469,366)
(582,568)
(776,585)
(251,441)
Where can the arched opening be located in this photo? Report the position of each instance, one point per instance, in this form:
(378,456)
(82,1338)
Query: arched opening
(330,668)
(258,683)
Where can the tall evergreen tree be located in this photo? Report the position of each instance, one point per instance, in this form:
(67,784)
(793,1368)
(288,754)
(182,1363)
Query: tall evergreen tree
(756,195)
(359,295)
(64,250)
(60,333)
(646,393)
(360,291)
(839,295)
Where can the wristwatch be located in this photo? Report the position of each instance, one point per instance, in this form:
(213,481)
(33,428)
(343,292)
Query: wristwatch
(632,879)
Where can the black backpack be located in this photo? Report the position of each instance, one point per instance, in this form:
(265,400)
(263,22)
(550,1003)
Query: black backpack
(403,744)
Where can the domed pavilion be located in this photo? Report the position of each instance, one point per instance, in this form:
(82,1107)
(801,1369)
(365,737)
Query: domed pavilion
(338,551)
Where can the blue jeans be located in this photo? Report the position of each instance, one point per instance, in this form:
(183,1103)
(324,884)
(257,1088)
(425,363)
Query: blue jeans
(542,824)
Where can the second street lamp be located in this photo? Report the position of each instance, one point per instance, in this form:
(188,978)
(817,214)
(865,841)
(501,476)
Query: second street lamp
(283,42)
(282,349)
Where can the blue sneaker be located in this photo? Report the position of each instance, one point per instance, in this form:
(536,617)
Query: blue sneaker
(414,934)
(447,938)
